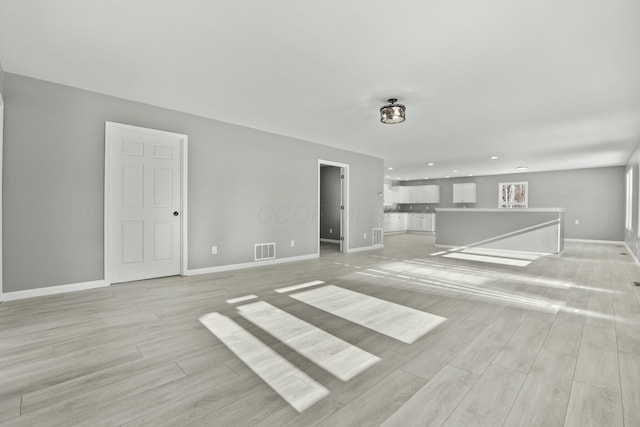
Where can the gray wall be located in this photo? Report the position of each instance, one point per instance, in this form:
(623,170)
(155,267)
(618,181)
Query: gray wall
(330,202)
(594,197)
(1,78)
(245,186)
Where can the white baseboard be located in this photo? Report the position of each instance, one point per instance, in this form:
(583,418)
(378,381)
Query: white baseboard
(631,252)
(52,290)
(208,270)
(366,248)
(330,241)
(606,242)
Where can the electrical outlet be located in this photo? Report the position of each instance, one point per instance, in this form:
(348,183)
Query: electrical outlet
(214,250)
(577,221)
(293,243)
(331,231)
(365,235)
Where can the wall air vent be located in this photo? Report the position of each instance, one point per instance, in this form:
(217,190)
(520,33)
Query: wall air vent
(377,236)
(264,251)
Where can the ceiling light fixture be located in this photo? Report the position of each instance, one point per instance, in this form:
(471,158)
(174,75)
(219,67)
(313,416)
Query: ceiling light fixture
(522,168)
(429,164)
(494,157)
(392,113)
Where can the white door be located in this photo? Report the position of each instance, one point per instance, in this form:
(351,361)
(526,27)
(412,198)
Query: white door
(144,203)
(342,209)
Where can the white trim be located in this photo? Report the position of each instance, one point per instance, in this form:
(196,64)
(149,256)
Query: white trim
(330,241)
(53,290)
(632,253)
(208,270)
(1,151)
(184,217)
(367,248)
(607,242)
(500,210)
(464,248)
(345,214)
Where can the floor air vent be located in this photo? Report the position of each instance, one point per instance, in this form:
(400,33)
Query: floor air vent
(377,236)
(265,251)
(636,283)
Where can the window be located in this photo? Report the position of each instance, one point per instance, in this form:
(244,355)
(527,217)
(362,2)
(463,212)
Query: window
(628,223)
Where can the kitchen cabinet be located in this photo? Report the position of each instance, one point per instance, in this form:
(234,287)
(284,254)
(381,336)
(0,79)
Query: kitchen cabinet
(395,222)
(432,193)
(399,222)
(464,193)
(419,194)
(388,194)
(421,222)
(404,194)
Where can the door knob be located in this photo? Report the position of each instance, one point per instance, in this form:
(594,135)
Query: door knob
(175,213)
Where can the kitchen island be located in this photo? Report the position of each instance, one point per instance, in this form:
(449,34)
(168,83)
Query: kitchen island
(530,230)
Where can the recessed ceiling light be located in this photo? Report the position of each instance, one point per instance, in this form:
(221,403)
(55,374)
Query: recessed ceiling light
(470,175)
(522,168)
(390,168)
(429,164)
(455,171)
(426,177)
(494,157)
(388,176)
(447,176)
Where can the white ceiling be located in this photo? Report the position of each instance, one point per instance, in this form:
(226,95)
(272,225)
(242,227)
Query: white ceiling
(546,84)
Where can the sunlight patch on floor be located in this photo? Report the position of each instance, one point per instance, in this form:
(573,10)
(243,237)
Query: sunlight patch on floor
(300,286)
(334,355)
(394,320)
(527,301)
(487,259)
(293,385)
(491,274)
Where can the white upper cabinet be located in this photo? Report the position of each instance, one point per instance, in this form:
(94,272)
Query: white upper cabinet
(404,194)
(464,193)
(432,193)
(388,195)
(419,194)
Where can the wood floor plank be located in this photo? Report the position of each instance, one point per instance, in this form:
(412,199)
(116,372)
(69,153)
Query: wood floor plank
(432,359)
(489,400)
(80,404)
(521,350)
(434,402)
(157,398)
(566,333)
(377,403)
(479,354)
(590,406)
(9,406)
(542,401)
(555,365)
(597,363)
(630,384)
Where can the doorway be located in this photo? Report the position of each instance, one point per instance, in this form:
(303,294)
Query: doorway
(145,203)
(332,208)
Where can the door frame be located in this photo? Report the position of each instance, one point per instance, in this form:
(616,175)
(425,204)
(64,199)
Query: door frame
(184,217)
(344,190)
(1,160)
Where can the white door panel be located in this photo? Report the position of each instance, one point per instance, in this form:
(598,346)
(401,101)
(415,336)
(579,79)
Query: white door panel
(145,191)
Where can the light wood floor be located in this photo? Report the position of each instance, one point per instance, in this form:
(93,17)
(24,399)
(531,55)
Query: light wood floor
(555,342)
